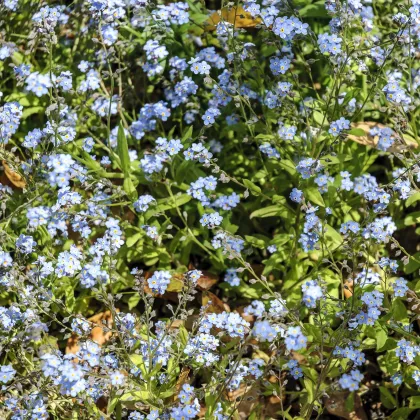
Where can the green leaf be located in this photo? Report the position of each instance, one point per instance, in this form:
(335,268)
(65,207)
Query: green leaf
(265,137)
(133,301)
(270,211)
(357,132)
(183,335)
(134,396)
(314,196)
(175,285)
(389,363)
(381,337)
(413,264)
(402,413)
(118,412)
(89,162)
(319,117)
(122,150)
(314,331)
(260,242)
(27,112)
(333,237)
(387,398)
(129,188)
(112,404)
(390,344)
(251,186)
(288,166)
(316,10)
(248,292)
(399,310)
(183,170)
(414,401)
(167,204)
(412,218)
(133,239)
(412,199)
(137,359)
(187,134)
(309,387)
(349,404)
(199,18)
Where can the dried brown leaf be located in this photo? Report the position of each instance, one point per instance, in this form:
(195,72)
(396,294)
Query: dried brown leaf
(13,176)
(102,321)
(336,405)
(235,15)
(372,141)
(216,305)
(207,280)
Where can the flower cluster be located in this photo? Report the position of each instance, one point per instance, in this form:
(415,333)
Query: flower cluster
(197,205)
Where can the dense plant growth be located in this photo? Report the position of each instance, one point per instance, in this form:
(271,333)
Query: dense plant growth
(209,209)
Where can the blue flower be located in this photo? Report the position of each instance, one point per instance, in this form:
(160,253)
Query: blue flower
(210,115)
(351,381)
(159,281)
(270,151)
(25,244)
(109,34)
(23,70)
(329,44)
(117,378)
(312,292)
(279,65)
(143,202)
(10,115)
(211,220)
(255,367)
(397,379)
(7,373)
(416,376)
(287,133)
(5,260)
(350,226)
(256,308)
(11,4)
(400,287)
(338,126)
(296,195)
(295,340)
(231,277)
(396,94)
(199,67)
(64,80)
(194,276)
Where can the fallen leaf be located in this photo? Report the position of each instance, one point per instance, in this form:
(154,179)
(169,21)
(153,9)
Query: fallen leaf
(298,357)
(372,141)
(336,405)
(202,412)
(182,379)
(237,16)
(98,333)
(216,306)
(413,302)
(207,280)
(348,289)
(248,318)
(247,398)
(13,176)
(273,407)
(175,284)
